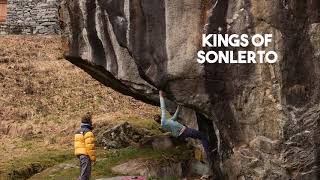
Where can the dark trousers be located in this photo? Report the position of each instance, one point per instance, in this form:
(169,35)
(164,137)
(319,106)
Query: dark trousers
(195,134)
(85,167)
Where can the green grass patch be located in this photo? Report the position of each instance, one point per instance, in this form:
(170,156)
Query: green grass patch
(139,122)
(111,158)
(25,167)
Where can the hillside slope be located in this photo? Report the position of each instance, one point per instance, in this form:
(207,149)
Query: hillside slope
(43,97)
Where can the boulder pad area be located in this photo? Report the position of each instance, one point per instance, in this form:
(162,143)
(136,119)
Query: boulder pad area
(264,119)
(125,178)
(157,156)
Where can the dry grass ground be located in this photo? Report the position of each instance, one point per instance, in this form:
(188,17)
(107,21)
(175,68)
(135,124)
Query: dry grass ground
(43,97)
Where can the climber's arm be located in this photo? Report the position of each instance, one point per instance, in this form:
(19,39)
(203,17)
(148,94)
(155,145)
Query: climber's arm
(162,106)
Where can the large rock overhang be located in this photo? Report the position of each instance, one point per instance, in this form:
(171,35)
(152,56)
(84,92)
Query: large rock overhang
(140,46)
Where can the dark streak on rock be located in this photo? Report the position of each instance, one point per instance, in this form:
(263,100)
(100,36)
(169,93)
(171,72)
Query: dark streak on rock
(115,10)
(109,49)
(218,81)
(76,27)
(98,54)
(147,39)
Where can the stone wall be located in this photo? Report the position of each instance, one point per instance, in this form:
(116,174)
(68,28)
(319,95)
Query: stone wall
(32,17)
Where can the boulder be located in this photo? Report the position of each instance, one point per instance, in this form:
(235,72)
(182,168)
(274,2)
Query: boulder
(139,46)
(148,168)
(160,142)
(119,136)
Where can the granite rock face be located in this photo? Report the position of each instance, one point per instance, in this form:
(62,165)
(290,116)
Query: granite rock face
(263,118)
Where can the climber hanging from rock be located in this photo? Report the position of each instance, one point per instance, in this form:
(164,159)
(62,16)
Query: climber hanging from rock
(179,130)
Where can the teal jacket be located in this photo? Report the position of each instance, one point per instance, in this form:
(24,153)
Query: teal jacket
(171,124)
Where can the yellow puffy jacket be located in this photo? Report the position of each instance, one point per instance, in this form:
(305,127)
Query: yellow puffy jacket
(84,144)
